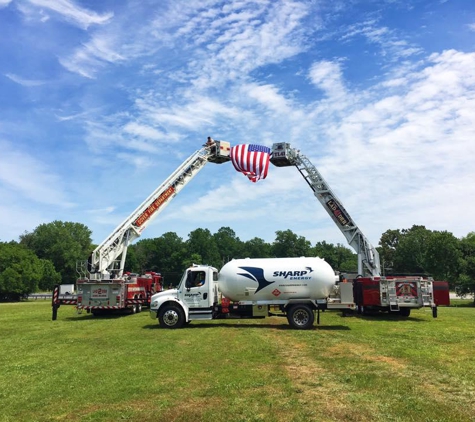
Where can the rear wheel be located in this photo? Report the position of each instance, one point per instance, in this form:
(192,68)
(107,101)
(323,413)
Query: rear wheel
(171,317)
(405,312)
(301,317)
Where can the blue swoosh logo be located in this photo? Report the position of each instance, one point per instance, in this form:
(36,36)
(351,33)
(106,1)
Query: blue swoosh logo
(256,274)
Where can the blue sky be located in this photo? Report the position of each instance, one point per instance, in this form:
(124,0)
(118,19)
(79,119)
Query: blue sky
(101,100)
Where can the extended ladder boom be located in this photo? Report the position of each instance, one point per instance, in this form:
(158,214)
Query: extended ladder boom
(368,257)
(103,263)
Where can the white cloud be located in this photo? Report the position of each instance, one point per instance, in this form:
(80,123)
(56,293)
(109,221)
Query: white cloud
(392,45)
(73,13)
(328,77)
(224,46)
(101,211)
(271,36)
(31,178)
(269,96)
(24,82)
(405,153)
(4,3)
(92,56)
(143,131)
(196,113)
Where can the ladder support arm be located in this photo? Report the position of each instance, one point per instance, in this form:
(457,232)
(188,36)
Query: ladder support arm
(103,259)
(368,257)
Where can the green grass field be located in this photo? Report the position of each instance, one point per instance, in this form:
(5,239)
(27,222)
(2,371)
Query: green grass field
(81,368)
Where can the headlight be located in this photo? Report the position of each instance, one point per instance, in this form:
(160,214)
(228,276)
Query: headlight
(154,304)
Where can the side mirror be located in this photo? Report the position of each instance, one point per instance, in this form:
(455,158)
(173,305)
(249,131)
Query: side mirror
(188,283)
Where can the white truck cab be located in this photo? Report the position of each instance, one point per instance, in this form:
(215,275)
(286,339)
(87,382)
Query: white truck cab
(192,300)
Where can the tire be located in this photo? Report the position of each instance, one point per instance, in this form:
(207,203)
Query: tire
(138,308)
(171,317)
(405,312)
(301,317)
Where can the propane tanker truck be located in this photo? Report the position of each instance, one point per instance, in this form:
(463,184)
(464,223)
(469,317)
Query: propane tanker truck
(248,288)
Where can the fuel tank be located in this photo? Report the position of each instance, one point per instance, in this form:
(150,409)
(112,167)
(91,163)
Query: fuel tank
(276,279)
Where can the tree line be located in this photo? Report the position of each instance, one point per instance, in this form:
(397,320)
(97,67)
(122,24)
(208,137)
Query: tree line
(48,255)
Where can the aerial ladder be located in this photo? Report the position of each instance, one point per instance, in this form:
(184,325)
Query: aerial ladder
(283,155)
(108,259)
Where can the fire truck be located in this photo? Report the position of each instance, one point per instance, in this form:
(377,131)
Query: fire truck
(102,285)
(368,292)
(127,293)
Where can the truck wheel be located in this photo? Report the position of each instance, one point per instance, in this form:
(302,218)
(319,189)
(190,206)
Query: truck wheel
(138,308)
(301,317)
(405,312)
(171,317)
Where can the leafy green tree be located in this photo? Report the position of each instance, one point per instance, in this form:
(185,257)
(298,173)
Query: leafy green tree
(63,243)
(49,276)
(202,243)
(194,258)
(410,253)
(142,256)
(338,256)
(21,272)
(388,244)
(422,251)
(288,244)
(442,256)
(256,248)
(466,281)
(164,254)
(229,245)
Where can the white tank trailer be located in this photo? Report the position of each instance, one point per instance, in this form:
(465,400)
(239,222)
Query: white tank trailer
(248,288)
(270,279)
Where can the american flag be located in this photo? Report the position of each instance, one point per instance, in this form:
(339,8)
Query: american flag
(251,160)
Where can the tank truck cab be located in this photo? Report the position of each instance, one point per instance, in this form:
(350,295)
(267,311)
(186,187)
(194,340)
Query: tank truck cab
(193,299)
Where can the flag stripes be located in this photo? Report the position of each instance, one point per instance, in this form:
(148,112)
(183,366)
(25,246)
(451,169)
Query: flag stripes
(251,160)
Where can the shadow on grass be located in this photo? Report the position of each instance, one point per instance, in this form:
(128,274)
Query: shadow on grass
(381,316)
(198,325)
(89,317)
(390,317)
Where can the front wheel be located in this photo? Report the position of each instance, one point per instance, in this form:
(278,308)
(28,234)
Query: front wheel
(171,317)
(301,317)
